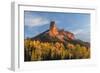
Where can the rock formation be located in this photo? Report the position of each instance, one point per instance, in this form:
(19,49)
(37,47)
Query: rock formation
(60,33)
(53,31)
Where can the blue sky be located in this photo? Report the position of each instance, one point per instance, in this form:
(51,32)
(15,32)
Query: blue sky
(77,23)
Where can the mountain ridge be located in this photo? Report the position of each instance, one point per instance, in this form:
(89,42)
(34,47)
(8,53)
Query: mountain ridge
(53,34)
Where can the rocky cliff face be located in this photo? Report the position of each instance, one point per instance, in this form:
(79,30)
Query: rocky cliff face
(55,32)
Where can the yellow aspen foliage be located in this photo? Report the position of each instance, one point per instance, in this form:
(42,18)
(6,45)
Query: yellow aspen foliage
(37,51)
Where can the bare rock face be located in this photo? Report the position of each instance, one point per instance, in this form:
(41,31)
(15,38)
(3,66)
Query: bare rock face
(54,32)
(70,35)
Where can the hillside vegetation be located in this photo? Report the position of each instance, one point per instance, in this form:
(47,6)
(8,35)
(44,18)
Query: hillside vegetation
(36,51)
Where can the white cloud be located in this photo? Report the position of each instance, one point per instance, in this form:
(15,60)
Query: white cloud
(82,34)
(36,21)
(83,30)
(78,31)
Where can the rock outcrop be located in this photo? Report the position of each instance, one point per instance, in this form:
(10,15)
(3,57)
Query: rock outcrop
(60,33)
(53,31)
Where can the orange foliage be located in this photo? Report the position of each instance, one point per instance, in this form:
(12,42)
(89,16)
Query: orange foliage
(36,51)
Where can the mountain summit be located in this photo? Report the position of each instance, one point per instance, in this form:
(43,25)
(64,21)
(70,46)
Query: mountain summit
(60,33)
(53,31)
(54,34)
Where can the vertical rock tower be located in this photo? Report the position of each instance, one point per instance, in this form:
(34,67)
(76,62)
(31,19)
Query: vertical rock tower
(53,31)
